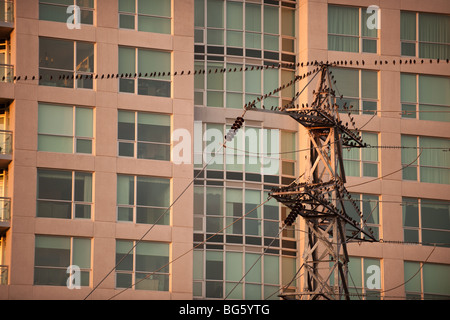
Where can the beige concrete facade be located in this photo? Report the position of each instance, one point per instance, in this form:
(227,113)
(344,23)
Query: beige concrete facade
(103,228)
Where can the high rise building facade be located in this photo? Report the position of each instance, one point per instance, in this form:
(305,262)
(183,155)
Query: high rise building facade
(116,182)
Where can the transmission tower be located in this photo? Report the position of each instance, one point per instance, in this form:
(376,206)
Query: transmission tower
(318,195)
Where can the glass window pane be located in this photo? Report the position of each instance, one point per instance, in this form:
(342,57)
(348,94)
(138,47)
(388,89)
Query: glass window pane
(55,144)
(271,269)
(233,270)
(214,201)
(56,53)
(153,127)
(435,214)
(436,278)
(412,277)
(347,81)
(408,25)
(288,22)
(253,17)
(410,209)
(215,14)
(127,6)
(161,8)
(253,275)
(127,60)
(55,185)
(214,265)
(126,125)
(369,84)
(154,24)
(152,256)
(85,56)
(54,119)
(199,13)
(271,19)
(125,190)
(153,191)
(84,122)
(408,87)
(253,81)
(234,15)
(52,251)
(151,61)
(235,79)
(343,20)
(50,12)
(82,253)
(434,90)
(83,186)
(124,250)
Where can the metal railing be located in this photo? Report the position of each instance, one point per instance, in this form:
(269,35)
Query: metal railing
(3,275)
(7,11)
(6,72)
(5,209)
(5,142)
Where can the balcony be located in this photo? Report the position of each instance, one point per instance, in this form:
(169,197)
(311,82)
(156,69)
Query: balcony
(5,148)
(3,275)
(5,215)
(6,72)
(6,17)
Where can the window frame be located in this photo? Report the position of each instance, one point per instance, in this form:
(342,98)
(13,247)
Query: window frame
(417,113)
(360,35)
(417,41)
(74,135)
(133,272)
(73,202)
(417,163)
(419,229)
(138,76)
(165,220)
(71,261)
(360,159)
(136,15)
(136,140)
(74,2)
(73,76)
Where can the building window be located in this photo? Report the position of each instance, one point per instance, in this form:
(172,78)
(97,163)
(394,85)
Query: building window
(424,159)
(362,162)
(150,69)
(64,194)
(144,135)
(425,35)
(143,265)
(364,278)
(228,31)
(66,63)
(425,97)
(65,129)
(54,254)
(142,199)
(359,89)
(426,281)
(149,16)
(366,212)
(426,221)
(348,30)
(56,10)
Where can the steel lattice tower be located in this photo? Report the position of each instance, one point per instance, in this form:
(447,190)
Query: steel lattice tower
(318,196)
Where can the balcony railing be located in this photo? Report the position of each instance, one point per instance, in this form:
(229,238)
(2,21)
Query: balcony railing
(7,11)
(5,209)
(6,72)
(3,275)
(5,142)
